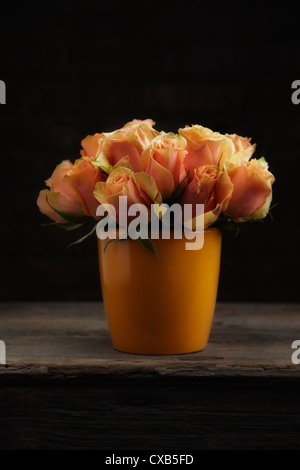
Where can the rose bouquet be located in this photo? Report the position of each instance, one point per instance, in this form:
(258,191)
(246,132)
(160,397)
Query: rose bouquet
(195,166)
(164,304)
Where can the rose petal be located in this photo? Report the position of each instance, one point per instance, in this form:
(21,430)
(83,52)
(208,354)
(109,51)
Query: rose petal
(90,145)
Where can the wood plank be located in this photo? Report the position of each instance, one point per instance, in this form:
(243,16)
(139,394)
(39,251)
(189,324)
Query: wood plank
(66,339)
(167,413)
(65,387)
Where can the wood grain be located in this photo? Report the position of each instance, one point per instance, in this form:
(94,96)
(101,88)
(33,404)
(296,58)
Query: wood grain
(72,339)
(65,387)
(199,414)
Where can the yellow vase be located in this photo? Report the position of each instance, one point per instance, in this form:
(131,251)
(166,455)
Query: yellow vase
(160,305)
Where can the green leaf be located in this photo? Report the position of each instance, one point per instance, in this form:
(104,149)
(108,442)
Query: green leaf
(99,165)
(65,226)
(104,172)
(177,191)
(218,164)
(71,218)
(164,193)
(107,169)
(148,244)
(84,237)
(145,242)
(273,205)
(229,223)
(110,241)
(270,209)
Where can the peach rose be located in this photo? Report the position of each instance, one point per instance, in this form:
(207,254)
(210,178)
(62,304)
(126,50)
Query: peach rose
(140,188)
(164,160)
(135,122)
(82,179)
(60,195)
(90,145)
(252,189)
(205,147)
(129,141)
(243,150)
(210,186)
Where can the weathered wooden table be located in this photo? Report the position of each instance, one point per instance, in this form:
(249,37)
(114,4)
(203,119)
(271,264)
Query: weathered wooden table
(65,387)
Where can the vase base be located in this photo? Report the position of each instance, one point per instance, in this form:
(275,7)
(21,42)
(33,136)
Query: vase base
(173,353)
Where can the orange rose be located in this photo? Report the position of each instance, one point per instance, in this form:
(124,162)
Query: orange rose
(243,150)
(82,179)
(71,190)
(252,189)
(210,186)
(129,141)
(164,160)
(60,195)
(135,122)
(205,147)
(140,188)
(90,145)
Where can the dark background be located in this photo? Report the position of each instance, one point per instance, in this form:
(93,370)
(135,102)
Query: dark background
(76,68)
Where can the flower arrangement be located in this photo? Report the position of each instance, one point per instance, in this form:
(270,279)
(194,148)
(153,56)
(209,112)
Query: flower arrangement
(195,166)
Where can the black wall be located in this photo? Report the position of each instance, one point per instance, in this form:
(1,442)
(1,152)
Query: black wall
(75,68)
